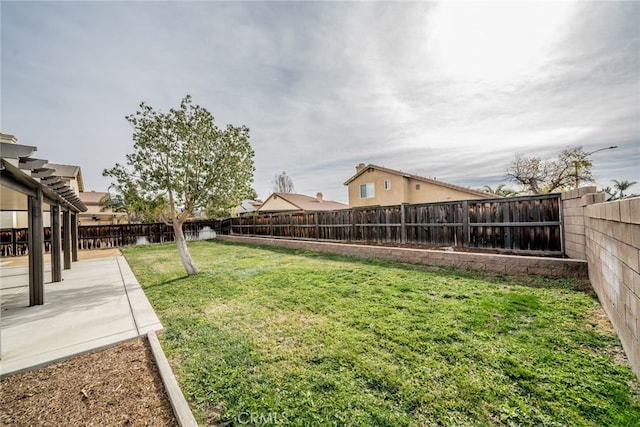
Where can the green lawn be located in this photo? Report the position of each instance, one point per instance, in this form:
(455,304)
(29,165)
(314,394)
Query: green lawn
(270,336)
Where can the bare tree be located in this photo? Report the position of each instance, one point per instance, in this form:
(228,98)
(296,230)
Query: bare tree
(546,176)
(282,183)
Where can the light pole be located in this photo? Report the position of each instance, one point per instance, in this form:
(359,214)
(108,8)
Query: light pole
(585,157)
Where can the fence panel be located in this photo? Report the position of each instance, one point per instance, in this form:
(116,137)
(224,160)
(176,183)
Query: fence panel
(434,224)
(14,241)
(529,224)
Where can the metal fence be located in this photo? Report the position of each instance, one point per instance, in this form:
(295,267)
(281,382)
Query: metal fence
(529,224)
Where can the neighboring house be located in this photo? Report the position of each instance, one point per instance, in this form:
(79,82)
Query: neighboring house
(292,202)
(246,207)
(374,185)
(98,210)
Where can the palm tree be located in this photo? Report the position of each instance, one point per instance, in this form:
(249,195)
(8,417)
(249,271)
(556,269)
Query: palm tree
(609,192)
(622,186)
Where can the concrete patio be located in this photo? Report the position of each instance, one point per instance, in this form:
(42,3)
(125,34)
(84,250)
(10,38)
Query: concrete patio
(98,303)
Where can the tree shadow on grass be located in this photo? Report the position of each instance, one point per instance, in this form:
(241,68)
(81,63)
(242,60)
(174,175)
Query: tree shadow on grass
(166,282)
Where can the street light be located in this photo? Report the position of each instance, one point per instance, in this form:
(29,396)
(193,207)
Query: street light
(587,155)
(602,149)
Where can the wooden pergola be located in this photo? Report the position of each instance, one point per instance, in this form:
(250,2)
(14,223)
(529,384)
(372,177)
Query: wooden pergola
(27,184)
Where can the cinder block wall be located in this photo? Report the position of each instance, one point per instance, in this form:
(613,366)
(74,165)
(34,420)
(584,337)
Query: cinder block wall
(574,203)
(504,264)
(612,249)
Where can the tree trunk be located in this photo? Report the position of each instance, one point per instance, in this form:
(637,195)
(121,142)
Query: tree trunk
(185,256)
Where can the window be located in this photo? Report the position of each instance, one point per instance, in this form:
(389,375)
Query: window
(367,191)
(417,186)
(387,184)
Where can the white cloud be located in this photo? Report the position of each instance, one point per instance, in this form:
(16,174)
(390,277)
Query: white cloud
(451,90)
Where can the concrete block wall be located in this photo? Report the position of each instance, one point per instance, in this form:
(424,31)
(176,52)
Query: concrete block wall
(504,264)
(612,250)
(574,203)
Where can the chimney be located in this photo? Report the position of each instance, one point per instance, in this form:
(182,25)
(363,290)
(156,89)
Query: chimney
(319,197)
(360,167)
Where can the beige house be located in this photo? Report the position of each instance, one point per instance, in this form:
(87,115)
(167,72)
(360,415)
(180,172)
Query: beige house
(97,213)
(292,202)
(374,185)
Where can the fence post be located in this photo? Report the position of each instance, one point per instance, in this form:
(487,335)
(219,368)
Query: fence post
(507,230)
(354,222)
(271,225)
(14,242)
(253,230)
(561,225)
(403,224)
(465,223)
(316,215)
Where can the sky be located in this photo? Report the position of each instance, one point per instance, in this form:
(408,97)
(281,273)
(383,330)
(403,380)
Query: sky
(451,90)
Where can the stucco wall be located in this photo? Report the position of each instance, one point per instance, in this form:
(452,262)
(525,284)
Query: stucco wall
(429,193)
(612,248)
(505,264)
(19,219)
(403,190)
(394,196)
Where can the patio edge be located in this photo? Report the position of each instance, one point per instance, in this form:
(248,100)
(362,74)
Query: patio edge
(181,408)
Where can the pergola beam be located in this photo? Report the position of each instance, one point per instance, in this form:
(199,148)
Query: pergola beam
(16,150)
(28,163)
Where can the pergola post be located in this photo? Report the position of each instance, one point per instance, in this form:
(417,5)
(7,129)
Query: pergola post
(36,249)
(66,238)
(56,240)
(74,237)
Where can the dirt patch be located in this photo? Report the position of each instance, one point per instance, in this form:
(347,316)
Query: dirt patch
(118,386)
(598,319)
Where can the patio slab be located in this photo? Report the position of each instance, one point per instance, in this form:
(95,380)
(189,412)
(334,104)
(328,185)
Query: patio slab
(98,303)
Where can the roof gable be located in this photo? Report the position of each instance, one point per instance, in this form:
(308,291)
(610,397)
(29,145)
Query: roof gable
(419,178)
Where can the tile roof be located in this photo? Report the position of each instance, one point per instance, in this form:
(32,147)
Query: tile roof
(308,203)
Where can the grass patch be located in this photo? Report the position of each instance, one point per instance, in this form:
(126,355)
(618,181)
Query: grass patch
(268,336)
